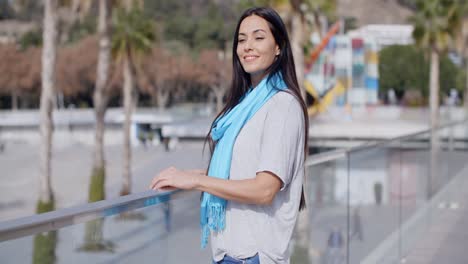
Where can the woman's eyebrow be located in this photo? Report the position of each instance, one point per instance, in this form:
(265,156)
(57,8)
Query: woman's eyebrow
(255,31)
(259,30)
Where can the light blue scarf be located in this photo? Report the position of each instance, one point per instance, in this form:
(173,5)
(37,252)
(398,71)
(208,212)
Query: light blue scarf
(224,132)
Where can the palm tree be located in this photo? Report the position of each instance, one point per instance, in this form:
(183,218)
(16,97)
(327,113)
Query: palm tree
(133,36)
(94,229)
(462,44)
(45,243)
(435,23)
(100,99)
(49,52)
(465,56)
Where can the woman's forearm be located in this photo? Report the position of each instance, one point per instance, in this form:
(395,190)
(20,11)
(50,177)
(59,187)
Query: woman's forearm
(259,190)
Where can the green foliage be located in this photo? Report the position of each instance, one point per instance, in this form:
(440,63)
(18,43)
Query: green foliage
(244,4)
(6,12)
(45,207)
(211,31)
(45,243)
(350,23)
(96,186)
(208,31)
(134,33)
(44,248)
(435,22)
(198,24)
(82,29)
(181,27)
(407,68)
(31,39)
(161,10)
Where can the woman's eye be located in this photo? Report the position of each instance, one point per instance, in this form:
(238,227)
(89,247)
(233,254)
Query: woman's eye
(259,38)
(241,40)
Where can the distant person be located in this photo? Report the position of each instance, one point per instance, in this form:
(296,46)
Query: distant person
(356,230)
(392,99)
(254,189)
(335,239)
(334,253)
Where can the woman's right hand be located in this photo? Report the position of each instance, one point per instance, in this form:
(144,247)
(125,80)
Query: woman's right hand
(173,178)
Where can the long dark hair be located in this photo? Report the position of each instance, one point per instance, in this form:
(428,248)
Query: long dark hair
(284,64)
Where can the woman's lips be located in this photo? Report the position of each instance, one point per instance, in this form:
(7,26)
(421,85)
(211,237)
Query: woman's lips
(250,58)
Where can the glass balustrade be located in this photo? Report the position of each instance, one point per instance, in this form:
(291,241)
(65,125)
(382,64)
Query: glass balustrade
(370,204)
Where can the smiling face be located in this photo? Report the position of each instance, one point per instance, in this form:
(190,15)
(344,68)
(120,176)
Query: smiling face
(256,47)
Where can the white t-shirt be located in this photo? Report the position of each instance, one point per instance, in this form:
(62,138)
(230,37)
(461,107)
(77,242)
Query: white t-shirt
(272,140)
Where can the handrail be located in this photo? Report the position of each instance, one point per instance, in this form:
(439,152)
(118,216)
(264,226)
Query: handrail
(34,224)
(404,137)
(341,153)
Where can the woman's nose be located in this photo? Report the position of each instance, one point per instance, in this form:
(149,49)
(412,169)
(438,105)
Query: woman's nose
(248,45)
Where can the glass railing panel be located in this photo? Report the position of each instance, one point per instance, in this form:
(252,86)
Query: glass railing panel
(455,149)
(327,185)
(168,232)
(373,211)
(414,194)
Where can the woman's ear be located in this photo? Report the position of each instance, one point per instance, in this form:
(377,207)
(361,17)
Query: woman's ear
(277,52)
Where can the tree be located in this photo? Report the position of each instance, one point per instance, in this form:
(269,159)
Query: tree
(100,100)
(155,72)
(132,37)
(181,78)
(46,242)
(404,67)
(435,23)
(215,71)
(462,43)
(49,52)
(79,76)
(94,229)
(20,71)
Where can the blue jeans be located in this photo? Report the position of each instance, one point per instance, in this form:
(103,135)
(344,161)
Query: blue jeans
(230,260)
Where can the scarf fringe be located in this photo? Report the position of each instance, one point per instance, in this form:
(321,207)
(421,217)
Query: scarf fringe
(213,219)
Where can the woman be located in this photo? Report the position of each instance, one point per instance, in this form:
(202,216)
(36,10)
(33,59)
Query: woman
(254,190)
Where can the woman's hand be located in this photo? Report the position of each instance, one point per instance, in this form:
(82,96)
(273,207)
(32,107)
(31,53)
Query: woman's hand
(172,178)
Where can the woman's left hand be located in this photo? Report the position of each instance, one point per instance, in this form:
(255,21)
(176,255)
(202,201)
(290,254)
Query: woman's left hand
(173,178)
